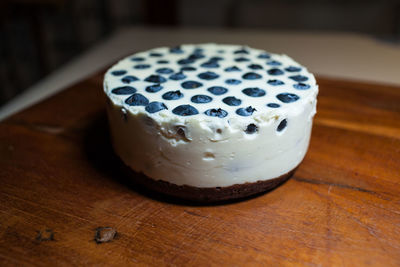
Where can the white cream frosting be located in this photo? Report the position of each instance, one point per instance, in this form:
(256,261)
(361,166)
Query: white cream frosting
(204,151)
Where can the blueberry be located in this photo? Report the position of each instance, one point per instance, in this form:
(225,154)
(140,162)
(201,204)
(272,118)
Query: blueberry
(251,76)
(185,110)
(141,66)
(233,68)
(191,85)
(208,75)
(165,70)
(254,92)
(274,63)
(275,72)
(301,86)
(216,58)
(232,101)
(155,79)
(129,79)
(196,56)
(163,62)
(137,59)
(282,125)
(292,69)
(177,76)
(255,66)
(299,78)
(241,51)
(172,95)
(154,107)
(124,90)
(241,59)
(198,50)
(275,82)
(220,113)
(118,72)
(287,97)
(154,54)
(217,90)
(264,55)
(188,69)
(210,64)
(176,50)
(220,51)
(273,105)
(137,100)
(200,99)
(233,81)
(154,88)
(251,128)
(245,111)
(185,61)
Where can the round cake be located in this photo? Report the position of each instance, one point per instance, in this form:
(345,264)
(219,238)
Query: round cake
(210,122)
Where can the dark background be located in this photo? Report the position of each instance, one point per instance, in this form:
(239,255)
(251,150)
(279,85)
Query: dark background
(37,36)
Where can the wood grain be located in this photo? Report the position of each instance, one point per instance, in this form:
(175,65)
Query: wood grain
(60,184)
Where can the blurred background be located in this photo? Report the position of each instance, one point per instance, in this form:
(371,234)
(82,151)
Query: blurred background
(38,36)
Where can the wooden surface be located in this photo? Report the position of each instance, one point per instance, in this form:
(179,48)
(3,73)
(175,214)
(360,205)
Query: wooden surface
(63,193)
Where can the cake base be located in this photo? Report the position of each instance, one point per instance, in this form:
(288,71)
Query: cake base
(211,194)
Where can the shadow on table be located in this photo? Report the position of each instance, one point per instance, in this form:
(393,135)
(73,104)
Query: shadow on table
(100,154)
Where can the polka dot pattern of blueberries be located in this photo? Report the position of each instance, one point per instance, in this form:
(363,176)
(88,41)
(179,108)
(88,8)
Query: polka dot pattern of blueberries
(220,82)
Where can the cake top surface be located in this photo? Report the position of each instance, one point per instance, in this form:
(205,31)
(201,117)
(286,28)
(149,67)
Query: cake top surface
(209,82)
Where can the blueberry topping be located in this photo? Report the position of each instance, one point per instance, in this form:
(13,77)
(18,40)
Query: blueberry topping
(282,125)
(264,55)
(216,58)
(273,105)
(154,107)
(301,86)
(118,72)
(217,90)
(198,50)
(233,68)
(241,51)
(292,69)
(251,76)
(196,56)
(177,76)
(221,51)
(275,82)
(137,59)
(165,70)
(274,63)
(251,128)
(163,61)
(176,50)
(191,85)
(200,99)
(233,81)
(209,75)
(188,69)
(254,92)
(172,95)
(241,59)
(255,66)
(124,90)
(299,78)
(185,110)
(137,100)
(155,79)
(232,101)
(287,97)
(220,113)
(154,54)
(153,88)
(129,79)
(210,64)
(275,72)
(141,66)
(185,61)
(245,111)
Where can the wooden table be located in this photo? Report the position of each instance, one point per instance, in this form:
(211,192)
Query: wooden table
(61,186)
